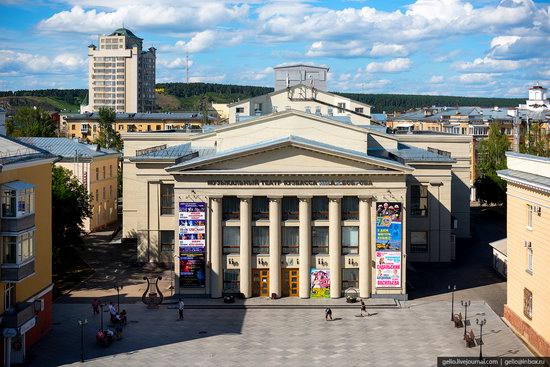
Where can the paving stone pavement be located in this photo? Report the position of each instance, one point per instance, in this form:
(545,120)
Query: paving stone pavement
(411,336)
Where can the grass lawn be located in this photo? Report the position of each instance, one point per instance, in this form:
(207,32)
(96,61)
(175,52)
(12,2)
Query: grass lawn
(75,271)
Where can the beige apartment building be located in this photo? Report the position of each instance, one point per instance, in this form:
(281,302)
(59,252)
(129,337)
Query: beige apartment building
(121,75)
(294,204)
(528,252)
(95,167)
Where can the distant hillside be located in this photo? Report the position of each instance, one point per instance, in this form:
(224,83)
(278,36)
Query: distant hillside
(183,96)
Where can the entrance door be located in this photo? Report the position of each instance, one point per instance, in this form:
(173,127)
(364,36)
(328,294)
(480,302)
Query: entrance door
(260,283)
(290,282)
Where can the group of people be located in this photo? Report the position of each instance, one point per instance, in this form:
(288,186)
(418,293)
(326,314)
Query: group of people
(117,318)
(328,311)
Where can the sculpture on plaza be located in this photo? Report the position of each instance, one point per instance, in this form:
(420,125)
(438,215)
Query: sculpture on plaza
(151,298)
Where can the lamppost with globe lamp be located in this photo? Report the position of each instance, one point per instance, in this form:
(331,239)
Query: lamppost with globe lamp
(481,323)
(101,305)
(118,288)
(82,323)
(465,304)
(452,289)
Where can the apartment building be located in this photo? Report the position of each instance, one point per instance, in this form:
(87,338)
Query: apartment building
(26,247)
(95,167)
(121,74)
(528,254)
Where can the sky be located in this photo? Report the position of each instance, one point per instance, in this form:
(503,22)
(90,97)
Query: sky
(444,47)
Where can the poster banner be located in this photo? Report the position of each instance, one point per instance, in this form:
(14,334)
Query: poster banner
(192,243)
(192,267)
(389,236)
(320,283)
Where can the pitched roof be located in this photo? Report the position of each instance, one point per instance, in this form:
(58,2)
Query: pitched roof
(408,154)
(13,151)
(124,32)
(526,179)
(141,116)
(69,149)
(294,141)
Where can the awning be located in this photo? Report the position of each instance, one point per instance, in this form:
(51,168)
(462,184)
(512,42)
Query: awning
(18,185)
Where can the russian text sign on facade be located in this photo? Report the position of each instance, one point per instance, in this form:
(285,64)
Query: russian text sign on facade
(388,244)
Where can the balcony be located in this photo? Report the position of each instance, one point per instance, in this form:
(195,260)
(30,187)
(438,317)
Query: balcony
(17,224)
(84,129)
(18,315)
(16,272)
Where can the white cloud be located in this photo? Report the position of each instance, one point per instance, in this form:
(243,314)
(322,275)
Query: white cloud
(207,79)
(487,64)
(436,79)
(475,78)
(13,63)
(381,49)
(337,49)
(447,56)
(177,63)
(519,47)
(392,66)
(205,41)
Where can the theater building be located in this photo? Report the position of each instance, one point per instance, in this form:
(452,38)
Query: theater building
(294,204)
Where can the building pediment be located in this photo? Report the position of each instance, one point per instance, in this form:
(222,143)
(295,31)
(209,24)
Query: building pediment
(291,154)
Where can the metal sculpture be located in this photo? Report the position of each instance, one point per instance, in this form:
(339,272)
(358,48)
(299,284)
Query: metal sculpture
(152,299)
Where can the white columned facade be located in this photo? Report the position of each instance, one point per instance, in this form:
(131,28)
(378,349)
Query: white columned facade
(305,245)
(275,245)
(216,273)
(335,246)
(364,251)
(246,246)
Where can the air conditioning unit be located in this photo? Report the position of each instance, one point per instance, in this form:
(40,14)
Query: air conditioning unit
(538,210)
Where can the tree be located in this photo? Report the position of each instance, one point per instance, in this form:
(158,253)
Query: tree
(71,204)
(203,106)
(536,141)
(491,189)
(31,122)
(107,136)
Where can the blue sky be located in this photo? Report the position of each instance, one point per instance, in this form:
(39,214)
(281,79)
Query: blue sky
(450,47)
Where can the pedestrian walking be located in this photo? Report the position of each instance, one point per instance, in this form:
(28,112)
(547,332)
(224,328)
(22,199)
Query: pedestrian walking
(328,314)
(364,308)
(181,307)
(118,331)
(95,306)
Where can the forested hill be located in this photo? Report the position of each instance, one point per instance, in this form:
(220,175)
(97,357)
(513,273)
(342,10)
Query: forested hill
(185,96)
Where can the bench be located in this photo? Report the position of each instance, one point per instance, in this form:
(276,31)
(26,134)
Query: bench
(470,339)
(458,320)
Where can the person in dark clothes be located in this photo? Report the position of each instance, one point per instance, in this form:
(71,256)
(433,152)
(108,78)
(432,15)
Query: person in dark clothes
(328,314)
(364,308)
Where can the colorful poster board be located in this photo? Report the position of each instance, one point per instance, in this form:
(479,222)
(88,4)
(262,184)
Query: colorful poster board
(320,283)
(389,235)
(192,244)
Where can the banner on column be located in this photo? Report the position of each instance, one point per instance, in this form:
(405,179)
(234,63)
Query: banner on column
(192,243)
(388,244)
(320,283)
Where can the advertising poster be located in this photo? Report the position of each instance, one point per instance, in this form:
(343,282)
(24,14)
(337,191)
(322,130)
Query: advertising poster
(192,243)
(388,244)
(320,283)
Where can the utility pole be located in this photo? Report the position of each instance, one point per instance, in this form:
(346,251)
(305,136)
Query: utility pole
(187,67)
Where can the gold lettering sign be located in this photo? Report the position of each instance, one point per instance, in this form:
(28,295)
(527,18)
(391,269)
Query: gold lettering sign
(289,183)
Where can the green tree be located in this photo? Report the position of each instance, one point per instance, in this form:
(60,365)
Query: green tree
(71,204)
(31,122)
(536,141)
(107,136)
(491,189)
(203,106)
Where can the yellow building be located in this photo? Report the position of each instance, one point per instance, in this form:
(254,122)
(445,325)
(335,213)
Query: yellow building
(95,167)
(26,251)
(85,126)
(528,251)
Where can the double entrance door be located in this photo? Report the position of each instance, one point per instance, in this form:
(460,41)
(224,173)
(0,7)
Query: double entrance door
(290,282)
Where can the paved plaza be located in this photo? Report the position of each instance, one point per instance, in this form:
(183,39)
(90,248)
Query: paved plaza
(410,336)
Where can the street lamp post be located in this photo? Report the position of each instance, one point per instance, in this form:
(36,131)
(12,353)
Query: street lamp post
(452,289)
(101,304)
(118,288)
(465,304)
(82,323)
(481,324)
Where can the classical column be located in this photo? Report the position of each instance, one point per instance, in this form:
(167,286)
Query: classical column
(364,250)
(246,246)
(334,246)
(275,245)
(305,245)
(216,270)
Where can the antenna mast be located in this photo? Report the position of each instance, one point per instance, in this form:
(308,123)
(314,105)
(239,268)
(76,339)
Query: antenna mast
(187,67)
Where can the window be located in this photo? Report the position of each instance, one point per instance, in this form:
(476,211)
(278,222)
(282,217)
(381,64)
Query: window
(359,109)
(260,207)
(121,127)
(350,208)
(103,169)
(419,200)
(350,240)
(18,249)
(17,199)
(167,241)
(231,207)
(239,110)
(166,199)
(96,195)
(257,107)
(527,303)
(73,127)
(308,109)
(290,208)
(419,241)
(157,127)
(330,111)
(9,295)
(317,110)
(350,279)
(319,208)
(97,173)
(260,240)
(529,259)
(231,282)
(319,240)
(341,107)
(110,170)
(530,210)
(290,240)
(231,240)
